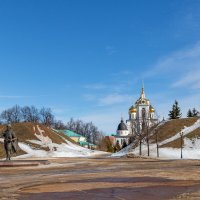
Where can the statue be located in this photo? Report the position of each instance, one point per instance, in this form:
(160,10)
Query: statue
(10,142)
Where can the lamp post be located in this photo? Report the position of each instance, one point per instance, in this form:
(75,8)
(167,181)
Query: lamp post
(148,137)
(157,144)
(140,144)
(181,135)
(140,138)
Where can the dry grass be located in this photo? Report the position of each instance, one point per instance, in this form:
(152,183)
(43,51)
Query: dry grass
(171,128)
(2,153)
(177,143)
(25,131)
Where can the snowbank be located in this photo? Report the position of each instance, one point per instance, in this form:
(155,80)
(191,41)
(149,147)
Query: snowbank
(62,150)
(165,153)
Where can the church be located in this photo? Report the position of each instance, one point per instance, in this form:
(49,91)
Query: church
(141,114)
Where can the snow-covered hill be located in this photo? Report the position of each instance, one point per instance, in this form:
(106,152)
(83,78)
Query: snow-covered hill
(191,145)
(36,140)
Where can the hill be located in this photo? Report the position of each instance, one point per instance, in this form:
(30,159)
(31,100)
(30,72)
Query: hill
(37,140)
(169,139)
(170,128)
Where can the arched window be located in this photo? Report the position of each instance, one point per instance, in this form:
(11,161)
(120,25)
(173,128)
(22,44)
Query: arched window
(143,113)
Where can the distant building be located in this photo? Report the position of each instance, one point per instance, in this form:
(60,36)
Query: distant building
(74,136)
(111,138)
(122,133)
(81,140)
(141,114)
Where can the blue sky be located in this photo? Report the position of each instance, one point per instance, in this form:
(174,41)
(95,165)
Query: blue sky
(87,59)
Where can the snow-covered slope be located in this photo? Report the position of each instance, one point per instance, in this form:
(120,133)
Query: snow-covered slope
(40,141)
(191,147)
(67,149)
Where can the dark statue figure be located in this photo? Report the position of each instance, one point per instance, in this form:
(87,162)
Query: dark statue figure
(10,142)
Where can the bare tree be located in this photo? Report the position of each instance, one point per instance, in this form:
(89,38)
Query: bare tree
(88,130)
(35,114)
(16,114)
(26,111)
(59,125)
(47,117)
(12,115)
(30,114)
(6,116)
(71,124)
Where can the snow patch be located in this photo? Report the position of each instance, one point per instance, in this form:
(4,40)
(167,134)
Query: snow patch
(67,149)
(185,131)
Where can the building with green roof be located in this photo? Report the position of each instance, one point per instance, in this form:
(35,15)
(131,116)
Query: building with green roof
(78,138)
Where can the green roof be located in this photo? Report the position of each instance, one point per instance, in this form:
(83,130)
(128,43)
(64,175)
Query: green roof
(83,143)
(109,134)
(70,133)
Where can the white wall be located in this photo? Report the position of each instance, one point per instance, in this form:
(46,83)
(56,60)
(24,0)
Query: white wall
(122,133)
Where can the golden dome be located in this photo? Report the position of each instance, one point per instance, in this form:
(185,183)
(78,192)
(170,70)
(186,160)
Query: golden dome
(152,109)
(132,110)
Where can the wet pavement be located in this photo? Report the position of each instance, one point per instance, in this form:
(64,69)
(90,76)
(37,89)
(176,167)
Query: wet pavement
(140,193)
(105,178)
(22,163)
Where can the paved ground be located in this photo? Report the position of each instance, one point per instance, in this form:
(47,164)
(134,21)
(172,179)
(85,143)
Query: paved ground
(103,179)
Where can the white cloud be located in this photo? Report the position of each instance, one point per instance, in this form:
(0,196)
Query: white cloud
(182,67)
(184,60)
(115,99)
(89,97)
(181,71)
(191,79)
(12,97)
(20,96)
(111,86)
(58,111)
(96,86)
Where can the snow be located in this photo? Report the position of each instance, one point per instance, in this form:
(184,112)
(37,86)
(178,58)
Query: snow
(191,148)
(31,152)
(67,149)
(59,150)
(189,152)
(192,144)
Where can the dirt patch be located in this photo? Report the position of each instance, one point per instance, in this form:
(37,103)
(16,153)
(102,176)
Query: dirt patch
(113,193)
